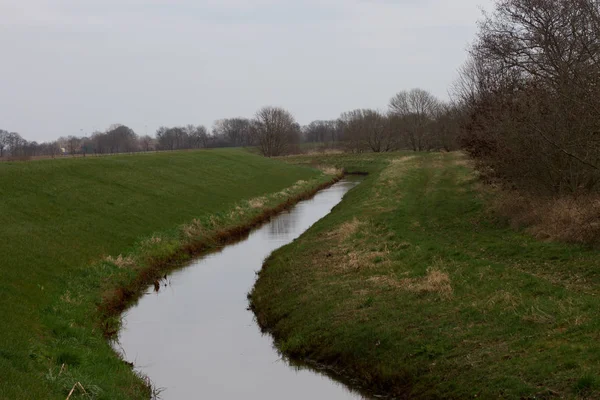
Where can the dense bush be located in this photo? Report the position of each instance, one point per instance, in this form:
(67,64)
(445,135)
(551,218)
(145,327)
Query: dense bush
(531,96)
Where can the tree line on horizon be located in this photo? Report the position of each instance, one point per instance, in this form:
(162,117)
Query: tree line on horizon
(415,120)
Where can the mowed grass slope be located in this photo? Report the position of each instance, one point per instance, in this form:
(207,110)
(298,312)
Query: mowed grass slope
(412,288)
(58,217)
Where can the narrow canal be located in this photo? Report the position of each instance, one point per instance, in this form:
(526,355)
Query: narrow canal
(195,338)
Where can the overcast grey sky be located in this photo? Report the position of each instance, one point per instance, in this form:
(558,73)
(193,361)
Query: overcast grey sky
(72,65)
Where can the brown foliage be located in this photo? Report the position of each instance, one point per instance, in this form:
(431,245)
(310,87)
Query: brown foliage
(531,95)
(566,218)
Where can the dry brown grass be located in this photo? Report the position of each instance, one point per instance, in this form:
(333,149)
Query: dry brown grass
(121,261)
(397,168)
(538,316)
(463,160)
(327,170)
(567,219)
(154,240)
(346,252)
(299,183)
(237,213)
(347,229)
(323,152)
(342,259)
(193,229)
(351,261)
(402,160)
(258,202)
(390,178)
(503,299)
(436,281)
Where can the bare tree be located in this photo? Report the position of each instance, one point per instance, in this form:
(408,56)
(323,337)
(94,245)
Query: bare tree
(188,142)
(532,94)
(447,127)
(322,132)
(275,130)
(417,109)
(364,130)
(73,144)
(3,141)
(234,131)
(181,137)
(165,140)
(15,144)
(146,143)
(120,139)
(353,132)
(198,137)
(175,138)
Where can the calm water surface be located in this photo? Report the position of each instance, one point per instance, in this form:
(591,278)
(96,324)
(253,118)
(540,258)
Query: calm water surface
(196,339)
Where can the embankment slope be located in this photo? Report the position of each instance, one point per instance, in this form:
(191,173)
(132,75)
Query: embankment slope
(59,217)
(412,288)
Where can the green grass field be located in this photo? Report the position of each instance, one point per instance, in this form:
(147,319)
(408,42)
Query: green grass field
(60,219)
(412,288)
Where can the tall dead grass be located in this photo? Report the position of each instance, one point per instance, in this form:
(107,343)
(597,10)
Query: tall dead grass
(567,218)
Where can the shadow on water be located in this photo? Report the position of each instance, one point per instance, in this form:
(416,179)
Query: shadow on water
(195,337)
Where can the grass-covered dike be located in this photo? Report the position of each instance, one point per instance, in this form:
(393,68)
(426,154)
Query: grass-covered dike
(413,288)
(80,239)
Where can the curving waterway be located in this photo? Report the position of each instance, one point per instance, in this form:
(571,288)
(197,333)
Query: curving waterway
(195,338)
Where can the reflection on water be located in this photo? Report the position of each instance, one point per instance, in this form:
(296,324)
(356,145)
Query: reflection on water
(280,227)
(196,339)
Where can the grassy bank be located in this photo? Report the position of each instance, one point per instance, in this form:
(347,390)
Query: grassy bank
(413,288)
(80,237)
